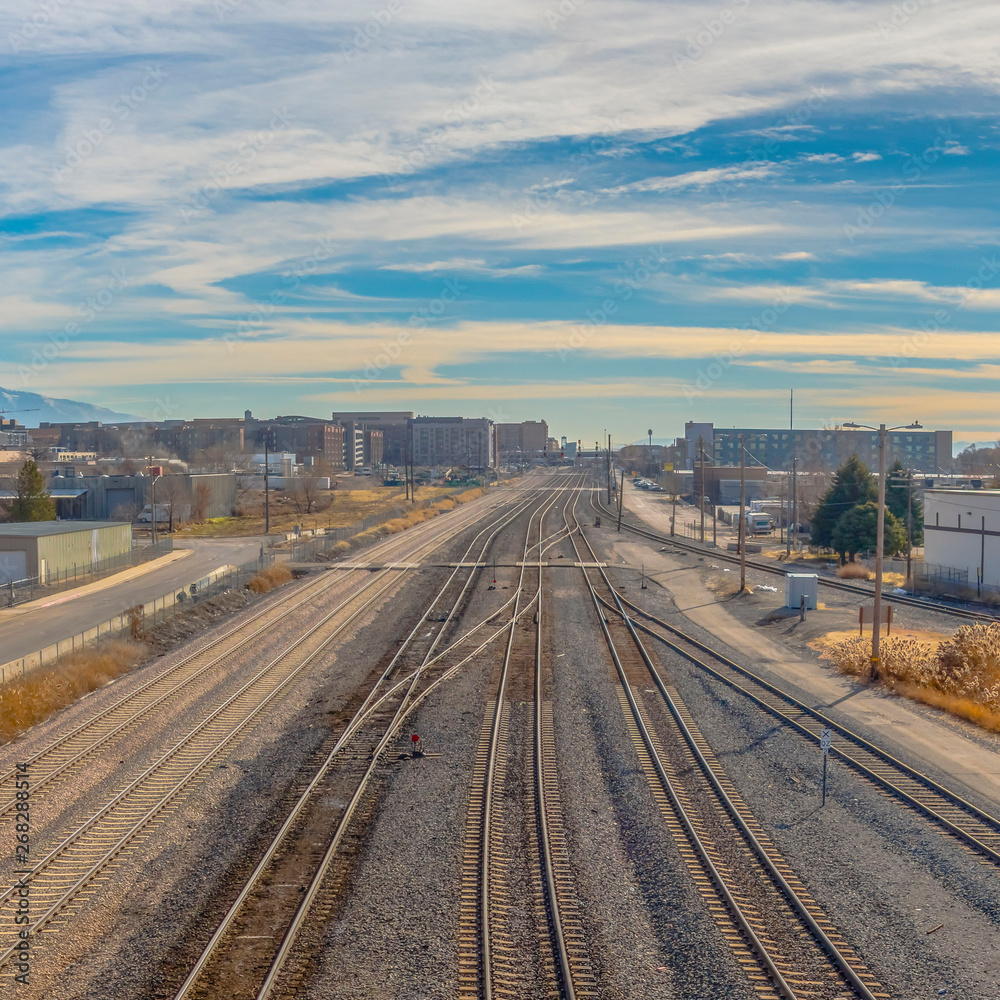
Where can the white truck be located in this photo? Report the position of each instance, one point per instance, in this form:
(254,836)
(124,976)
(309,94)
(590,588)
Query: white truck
(757,522)
(182,512)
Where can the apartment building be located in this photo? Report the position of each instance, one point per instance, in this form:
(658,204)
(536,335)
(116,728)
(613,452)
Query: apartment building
(456,441)
(922,450)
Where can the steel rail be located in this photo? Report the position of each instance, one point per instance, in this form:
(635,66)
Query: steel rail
(750,935)
(909,601)
(404,709)
(925,782)
(548,866)
(356,723)
(791,896)
(174,789)
(486,838)
(274,613)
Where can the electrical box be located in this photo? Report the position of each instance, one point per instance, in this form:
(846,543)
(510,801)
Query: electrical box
(799,585)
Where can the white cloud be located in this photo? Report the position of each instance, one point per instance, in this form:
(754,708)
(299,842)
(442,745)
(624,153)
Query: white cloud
(699,179)
(865,157)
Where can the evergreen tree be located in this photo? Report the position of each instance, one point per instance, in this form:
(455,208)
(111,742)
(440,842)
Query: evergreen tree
(32,503)
(857,531)
(853,485)
(897,485)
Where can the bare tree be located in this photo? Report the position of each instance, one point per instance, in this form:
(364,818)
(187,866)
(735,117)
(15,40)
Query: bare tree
(199,503)
(173,493)
(305,493)
(125,512)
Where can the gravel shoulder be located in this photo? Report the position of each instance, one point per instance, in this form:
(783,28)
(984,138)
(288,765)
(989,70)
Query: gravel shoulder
(921,910)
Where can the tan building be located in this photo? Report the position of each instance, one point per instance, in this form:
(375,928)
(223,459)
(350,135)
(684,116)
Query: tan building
(527,438)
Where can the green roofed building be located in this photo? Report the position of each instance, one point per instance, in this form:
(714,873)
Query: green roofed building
(44,549)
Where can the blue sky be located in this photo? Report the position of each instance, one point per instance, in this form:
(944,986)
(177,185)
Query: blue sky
(608,214)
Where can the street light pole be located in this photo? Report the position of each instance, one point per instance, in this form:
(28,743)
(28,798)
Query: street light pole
(879,543)
(740,533)
(267,498)
(701,486)
(879,535)
(609,468)
(152,497)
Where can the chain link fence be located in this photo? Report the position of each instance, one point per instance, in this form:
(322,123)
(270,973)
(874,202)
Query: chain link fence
(308,548)
(135,621)
(13,592)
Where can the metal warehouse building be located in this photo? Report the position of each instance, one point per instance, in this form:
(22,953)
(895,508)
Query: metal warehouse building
(44,548)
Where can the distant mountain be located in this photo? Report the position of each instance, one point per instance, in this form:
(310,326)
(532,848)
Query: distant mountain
(45,408)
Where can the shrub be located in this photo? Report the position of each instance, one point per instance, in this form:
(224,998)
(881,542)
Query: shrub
(962,677)
(902,659)
(854,571)
(30,699)
(267,579)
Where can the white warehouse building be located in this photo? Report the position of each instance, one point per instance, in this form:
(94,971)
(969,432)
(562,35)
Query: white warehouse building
(962,532)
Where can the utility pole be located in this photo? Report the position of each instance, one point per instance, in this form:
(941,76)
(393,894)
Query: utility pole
(621,501)
(267,498)
(609,468)
(701,487)
(788,521)
(741,543)
(909,528)
(879,545)
(795,502)
(880,535)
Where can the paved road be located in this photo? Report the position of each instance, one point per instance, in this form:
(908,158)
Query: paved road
(25,630)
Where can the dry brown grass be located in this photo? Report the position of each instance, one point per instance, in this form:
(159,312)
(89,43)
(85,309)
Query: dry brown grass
(270,578)
(28,700)
(961,676)
(854,571)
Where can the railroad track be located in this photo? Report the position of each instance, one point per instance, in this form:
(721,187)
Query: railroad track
(946,809)
(65,877)
(65,756)
(833,584)
(492,962)
(776,930)
(255,946)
